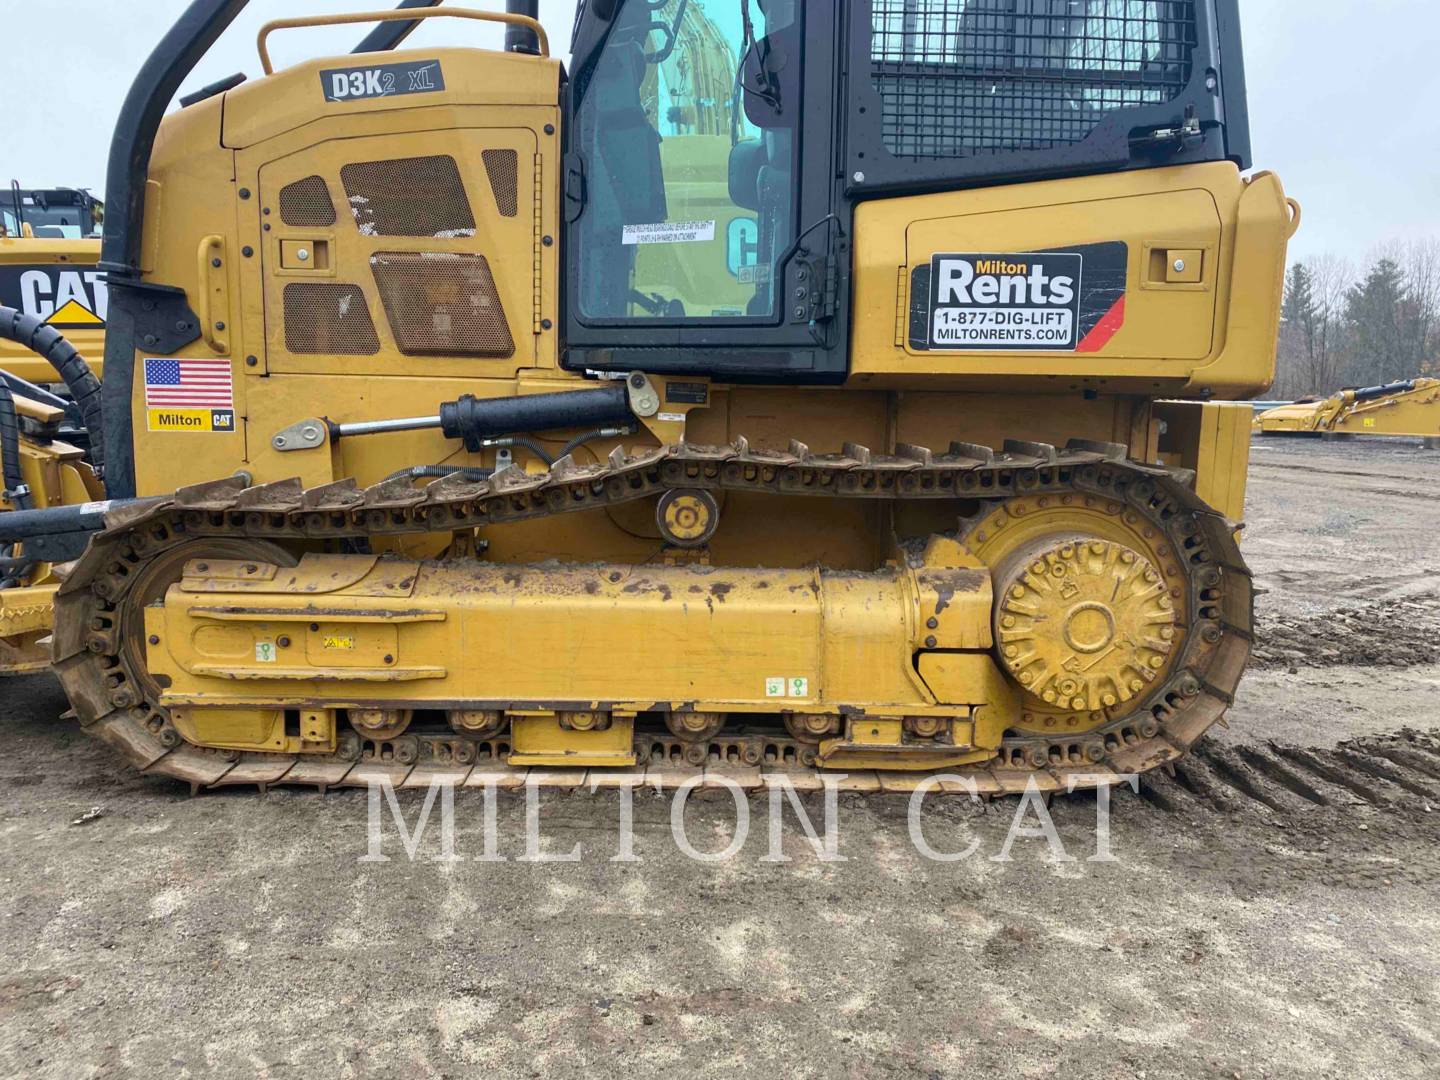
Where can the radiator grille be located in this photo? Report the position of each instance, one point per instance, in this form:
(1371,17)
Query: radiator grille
(421,196)
(322,317)
(960,78)
(307,203)
(442,304)
(503,168)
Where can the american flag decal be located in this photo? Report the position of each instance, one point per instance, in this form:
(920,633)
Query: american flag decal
(182,384)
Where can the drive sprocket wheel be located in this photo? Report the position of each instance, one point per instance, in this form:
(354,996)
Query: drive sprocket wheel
(1091,606)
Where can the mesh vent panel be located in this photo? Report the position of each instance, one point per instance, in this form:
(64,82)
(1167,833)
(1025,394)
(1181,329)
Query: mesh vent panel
(328,318)
(422,196)
(442,304)
(960,78)
(503,168)
(307,203)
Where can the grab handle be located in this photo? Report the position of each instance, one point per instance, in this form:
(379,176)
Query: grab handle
(406,15)
(1294,215)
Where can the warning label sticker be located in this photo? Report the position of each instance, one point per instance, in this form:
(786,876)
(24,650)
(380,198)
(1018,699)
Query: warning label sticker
(670,232)
(1028,302)
(792,686)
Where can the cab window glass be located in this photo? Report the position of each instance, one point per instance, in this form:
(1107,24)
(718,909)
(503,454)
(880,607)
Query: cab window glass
(962,78)
(688,148)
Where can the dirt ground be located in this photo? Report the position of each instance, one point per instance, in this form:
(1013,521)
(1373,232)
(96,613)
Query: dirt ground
(1274,910)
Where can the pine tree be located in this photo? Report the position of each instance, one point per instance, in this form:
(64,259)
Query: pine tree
(1297,333)
(1375,310)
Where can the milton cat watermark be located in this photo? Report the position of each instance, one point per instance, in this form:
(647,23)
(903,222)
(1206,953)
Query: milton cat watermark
(1030,820)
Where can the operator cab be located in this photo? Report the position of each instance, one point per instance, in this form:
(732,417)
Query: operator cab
(716,151)
(50,213)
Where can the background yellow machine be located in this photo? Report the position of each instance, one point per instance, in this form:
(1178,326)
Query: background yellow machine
(45,462)
(48,276)
(691,409)
(1408,409)
(48,252)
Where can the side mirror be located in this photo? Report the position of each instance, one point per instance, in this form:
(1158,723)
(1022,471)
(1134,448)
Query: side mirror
(770,77)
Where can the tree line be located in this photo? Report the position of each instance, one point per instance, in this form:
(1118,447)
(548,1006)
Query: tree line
(1342,327)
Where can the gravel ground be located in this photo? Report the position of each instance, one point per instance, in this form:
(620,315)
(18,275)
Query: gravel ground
(1272,910)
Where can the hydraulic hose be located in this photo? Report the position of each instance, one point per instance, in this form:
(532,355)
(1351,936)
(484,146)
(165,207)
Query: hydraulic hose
(74,372)
(12,570)
(15,489)
(521,440)
(439,472)
(590,436)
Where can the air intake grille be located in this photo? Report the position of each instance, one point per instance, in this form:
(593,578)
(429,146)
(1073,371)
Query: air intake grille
(321,317)
(307,203)
(503,168)
(442,304)
(421,196)
(960,78)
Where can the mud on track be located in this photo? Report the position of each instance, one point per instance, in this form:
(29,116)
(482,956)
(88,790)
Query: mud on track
(1275,910)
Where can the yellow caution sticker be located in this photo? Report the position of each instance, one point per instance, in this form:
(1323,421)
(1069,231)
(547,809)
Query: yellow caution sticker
(192,420)
(340,641)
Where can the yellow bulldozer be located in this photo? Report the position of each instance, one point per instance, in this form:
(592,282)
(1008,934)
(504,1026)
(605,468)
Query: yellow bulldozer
(1406,409)
(781,385)
(48,277)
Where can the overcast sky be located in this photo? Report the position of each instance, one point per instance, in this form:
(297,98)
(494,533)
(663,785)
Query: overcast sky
(1343,95)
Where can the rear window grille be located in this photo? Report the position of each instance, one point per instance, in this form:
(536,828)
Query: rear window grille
(321,317)
(307,203)
(503,168)
(422,196)
(961,78)
(442,304)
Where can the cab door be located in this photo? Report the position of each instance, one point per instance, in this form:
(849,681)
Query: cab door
(699,190)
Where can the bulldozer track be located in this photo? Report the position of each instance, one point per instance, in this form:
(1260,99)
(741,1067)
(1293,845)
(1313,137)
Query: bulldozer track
(111,703)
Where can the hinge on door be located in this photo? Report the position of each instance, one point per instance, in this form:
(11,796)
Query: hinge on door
(830,304)
(538,245)
(1173,139)
(902,310)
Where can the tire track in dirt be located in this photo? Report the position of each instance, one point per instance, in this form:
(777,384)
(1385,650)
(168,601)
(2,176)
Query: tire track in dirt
(1364,815)
(1400,632)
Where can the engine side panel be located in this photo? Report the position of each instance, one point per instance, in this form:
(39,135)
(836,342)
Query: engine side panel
(1155,281)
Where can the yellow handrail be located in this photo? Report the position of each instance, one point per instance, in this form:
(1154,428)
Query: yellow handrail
(406,15)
